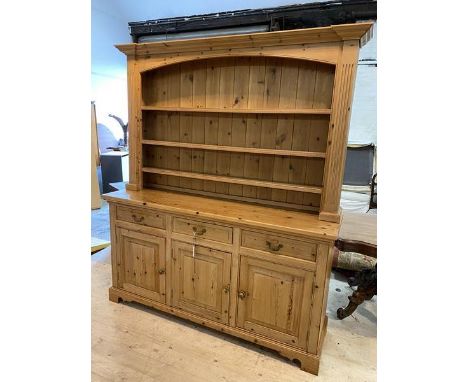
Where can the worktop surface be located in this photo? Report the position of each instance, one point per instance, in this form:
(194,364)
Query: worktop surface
(294,222)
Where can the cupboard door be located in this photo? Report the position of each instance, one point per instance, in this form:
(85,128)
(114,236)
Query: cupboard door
(201,281)
(142,264)
(274,300)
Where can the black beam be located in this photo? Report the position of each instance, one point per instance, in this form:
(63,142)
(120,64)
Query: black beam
(288,17)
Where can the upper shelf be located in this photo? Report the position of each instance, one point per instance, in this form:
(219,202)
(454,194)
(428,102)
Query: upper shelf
(240,111)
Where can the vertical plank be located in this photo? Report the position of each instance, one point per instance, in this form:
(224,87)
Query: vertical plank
(226,96)
(271,96)
(236,168)
(162,84)
(236,241)
(198,156)
(288,91)
(173,85)
(186,84)
(306,85)
(297,166)
(199,84)
(185,123)
(173,153)
(169,95)
(284,133)
(198,120)
(239,122)
(223,159)
(318,133)
(272,83)
(185,120)
(253,131)
(161,152)
(211,120)
(338,132)
(283,141)
(315,166)
(267,140)
(323,86)
(211,138)
(323,254)
(241,82)
(134,123)
(213,75)
(226,83)
(251,162)
(256,83)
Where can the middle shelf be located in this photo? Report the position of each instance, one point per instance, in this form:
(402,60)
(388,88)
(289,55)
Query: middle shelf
(253,150)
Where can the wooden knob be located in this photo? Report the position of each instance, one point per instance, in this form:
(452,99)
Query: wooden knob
(274,245)
(198,231)
(138,219)
(242,294)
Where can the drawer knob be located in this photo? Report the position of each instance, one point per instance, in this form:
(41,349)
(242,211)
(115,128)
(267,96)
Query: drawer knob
(274,245)
(226,288)
(161,271)
(242,294)
(199,231)
(138,219)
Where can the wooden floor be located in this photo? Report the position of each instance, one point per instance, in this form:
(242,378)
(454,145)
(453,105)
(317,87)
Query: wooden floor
(136,344)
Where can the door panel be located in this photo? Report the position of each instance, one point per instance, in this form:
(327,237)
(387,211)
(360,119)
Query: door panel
(274,300)
(201,282)
(142,263)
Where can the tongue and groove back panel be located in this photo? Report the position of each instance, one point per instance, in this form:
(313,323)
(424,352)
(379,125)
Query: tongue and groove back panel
(276,103)
(260,117)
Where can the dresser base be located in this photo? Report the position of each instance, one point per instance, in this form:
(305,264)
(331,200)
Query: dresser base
(308,362)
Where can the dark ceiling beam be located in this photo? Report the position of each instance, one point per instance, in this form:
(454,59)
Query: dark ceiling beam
(288,17)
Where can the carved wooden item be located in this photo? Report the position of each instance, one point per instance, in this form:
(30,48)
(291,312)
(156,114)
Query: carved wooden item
(237,148)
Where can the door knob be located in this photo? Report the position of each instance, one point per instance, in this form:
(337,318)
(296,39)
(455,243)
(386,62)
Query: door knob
(242,294)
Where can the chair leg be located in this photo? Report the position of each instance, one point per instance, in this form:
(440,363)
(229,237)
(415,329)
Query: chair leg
(367,288)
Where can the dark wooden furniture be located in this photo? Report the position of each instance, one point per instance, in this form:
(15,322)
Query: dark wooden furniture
(373,194)
(358,234)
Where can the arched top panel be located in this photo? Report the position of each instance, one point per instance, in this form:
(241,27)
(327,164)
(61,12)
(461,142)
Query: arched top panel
(246,82)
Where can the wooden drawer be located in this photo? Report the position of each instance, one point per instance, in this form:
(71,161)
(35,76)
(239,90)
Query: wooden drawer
(203,230)
(140,216)
(282,245)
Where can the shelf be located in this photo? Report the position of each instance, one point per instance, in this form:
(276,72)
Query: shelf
(228,179)
(304,154)
(241,111)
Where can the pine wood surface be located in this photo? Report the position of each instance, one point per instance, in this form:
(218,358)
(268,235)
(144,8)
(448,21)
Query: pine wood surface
(293,222)
(270,93)
(95,193)
(278,286)
(361,32)
(217,118)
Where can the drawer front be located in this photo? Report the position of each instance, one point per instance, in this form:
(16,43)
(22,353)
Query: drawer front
(203,230)
(140,216)
(273,243)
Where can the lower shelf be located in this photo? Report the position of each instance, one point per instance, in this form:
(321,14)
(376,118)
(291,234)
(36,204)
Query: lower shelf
(308,362)
(229,179)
